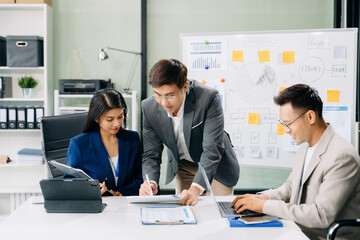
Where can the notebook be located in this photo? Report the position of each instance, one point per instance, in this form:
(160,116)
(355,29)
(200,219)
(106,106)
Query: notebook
(225,208)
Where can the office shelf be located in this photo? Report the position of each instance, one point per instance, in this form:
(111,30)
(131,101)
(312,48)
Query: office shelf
(19,131)
(16,164)
(21,69)
(21,99)
(22,20)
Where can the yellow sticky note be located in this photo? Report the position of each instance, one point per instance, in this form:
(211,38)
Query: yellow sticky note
(254,118)
(288,57)
(333,95)
(264,56)
(282,88)
(238,56)
(280,129)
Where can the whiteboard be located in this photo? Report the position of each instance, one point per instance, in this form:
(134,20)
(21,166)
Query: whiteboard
(250,68)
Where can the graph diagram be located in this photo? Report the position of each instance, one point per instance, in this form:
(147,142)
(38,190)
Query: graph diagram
(207,55)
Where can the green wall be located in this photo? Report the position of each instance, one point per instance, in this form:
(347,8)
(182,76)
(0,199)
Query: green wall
(81,27)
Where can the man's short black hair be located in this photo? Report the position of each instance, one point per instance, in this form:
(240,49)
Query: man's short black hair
(168,72)
(302,97)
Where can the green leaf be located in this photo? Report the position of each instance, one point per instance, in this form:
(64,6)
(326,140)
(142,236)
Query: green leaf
(27,82)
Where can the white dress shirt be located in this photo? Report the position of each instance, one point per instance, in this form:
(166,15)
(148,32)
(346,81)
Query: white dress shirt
(309,154)
(178,127)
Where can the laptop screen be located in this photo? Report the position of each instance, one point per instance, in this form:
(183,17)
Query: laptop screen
(206,180)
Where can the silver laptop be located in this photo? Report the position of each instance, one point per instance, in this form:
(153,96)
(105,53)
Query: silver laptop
(73,172)
(225,207)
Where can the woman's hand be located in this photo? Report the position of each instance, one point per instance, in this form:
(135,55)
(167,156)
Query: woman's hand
(116,193)
(103,187)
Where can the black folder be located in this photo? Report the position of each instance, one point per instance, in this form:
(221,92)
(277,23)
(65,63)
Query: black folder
(3,118)
(72,196)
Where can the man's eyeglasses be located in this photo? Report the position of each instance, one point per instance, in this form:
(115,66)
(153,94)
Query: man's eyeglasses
(170,98)
(288,125)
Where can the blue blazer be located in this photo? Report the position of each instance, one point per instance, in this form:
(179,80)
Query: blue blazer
(87,152)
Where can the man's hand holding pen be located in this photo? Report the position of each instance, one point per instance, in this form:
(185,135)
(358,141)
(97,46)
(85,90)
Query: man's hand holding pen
(145,188)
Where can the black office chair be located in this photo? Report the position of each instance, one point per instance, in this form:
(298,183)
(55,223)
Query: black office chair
(56,132)
(335,226)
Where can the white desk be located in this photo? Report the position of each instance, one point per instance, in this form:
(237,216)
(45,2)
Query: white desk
(121,220)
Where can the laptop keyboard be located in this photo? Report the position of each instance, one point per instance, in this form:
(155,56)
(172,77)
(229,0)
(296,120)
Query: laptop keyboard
(229,211)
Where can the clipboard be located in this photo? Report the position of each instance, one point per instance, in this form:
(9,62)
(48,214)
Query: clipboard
(167,215)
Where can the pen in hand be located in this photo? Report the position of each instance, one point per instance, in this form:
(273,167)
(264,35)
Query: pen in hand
(148,181)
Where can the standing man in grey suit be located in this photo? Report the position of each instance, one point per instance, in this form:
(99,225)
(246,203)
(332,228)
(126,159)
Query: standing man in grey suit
(324,184)
(187,118)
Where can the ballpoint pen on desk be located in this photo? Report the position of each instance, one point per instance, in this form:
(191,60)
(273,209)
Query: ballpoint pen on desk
(148,181)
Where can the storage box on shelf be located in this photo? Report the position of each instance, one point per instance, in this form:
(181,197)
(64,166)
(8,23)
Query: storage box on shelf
(34,1)
(24,51)
(7,1)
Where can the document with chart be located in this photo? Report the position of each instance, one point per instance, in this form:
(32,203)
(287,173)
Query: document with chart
(167,215)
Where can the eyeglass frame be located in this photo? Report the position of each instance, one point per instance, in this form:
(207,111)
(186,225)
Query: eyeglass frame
(288,125)
(169,98)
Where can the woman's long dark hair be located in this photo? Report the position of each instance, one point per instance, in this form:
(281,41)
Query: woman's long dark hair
(103,101)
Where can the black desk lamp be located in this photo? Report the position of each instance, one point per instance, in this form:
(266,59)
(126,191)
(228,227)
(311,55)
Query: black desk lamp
(103,56)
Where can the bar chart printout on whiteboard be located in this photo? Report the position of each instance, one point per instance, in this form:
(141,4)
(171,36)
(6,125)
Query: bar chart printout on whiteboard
(209,55)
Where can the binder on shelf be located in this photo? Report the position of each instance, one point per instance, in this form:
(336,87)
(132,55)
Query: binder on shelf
(5,87)
(12,111)
(236,223)
(39,113)
(30,118)
(3,118)
(21,117)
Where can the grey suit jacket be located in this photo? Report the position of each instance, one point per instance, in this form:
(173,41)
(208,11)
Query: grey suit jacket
(330,189)
(204,135)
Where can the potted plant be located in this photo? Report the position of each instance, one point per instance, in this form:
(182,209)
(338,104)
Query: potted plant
(27,83)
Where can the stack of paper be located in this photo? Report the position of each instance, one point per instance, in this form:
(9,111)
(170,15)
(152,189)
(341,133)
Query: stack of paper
(29,156)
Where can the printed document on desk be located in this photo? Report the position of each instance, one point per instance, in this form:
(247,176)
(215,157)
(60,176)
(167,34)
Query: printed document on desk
(154,199)
(172,215)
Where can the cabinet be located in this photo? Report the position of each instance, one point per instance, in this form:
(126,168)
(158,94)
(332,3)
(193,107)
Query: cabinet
(25,19)
(72,103)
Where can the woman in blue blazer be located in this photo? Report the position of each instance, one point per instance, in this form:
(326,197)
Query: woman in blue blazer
(105,150)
